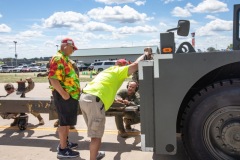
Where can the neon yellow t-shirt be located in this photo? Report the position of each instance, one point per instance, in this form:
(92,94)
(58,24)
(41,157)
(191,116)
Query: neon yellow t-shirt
(106,84)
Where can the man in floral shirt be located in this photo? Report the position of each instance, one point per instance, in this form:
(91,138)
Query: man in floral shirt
(66,93)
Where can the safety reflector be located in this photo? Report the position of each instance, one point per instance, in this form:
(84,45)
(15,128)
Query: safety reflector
(167,50)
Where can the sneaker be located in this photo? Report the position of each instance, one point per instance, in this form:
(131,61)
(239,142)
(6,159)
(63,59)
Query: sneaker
(67,153)
(41,122)
(14,123)
(40,119)
(123,134)
(132,130)
(69,145)
(72,145)
(100,155)
(56,124)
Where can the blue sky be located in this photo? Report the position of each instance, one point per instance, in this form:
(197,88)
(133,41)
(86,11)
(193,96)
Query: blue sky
(38,26)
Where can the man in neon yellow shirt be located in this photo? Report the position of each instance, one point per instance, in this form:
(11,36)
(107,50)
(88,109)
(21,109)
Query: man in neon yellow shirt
(98,96)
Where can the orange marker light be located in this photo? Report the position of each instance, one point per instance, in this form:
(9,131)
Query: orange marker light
(167,50)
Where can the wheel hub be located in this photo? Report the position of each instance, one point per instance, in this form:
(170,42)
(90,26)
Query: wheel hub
(230,136)
(222,133)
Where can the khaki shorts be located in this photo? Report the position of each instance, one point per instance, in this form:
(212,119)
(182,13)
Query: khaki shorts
(94,115)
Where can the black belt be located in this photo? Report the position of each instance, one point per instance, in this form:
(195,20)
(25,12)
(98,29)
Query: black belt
(97,99)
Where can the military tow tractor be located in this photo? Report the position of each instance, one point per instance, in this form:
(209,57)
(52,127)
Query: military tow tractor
(194,94)
(18,102)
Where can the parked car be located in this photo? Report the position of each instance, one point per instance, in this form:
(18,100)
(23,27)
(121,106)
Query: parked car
(17,69)
(7,69)
(91,67)
(25,69)
(101,65)
(34,69)
(82,67)
(43,69)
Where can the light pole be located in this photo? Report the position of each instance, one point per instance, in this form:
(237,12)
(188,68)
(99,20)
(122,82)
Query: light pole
(15,42)
(57,47)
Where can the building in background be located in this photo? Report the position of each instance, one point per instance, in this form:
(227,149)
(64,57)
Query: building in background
(99,54)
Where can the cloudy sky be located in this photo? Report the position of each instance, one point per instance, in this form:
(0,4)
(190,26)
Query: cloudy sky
(38,26)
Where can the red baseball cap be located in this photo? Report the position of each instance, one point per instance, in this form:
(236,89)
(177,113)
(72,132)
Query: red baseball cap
(121,62)
(69,41)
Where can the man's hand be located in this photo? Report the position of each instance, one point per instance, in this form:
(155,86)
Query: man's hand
(65,96)
(29,79)
(126,102)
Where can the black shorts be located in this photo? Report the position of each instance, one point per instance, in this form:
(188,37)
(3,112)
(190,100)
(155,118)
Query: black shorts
(67,109)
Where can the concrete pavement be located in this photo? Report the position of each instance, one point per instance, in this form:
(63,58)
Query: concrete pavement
(40,142)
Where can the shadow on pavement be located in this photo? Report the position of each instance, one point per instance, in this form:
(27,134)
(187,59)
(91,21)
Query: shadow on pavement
(14,137)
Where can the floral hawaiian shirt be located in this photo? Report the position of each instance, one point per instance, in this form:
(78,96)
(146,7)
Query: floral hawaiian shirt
(61,69)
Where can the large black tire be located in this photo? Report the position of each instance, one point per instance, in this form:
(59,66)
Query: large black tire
(211,124)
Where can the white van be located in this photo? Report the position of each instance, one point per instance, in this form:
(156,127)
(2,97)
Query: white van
(7,69)
(101,65)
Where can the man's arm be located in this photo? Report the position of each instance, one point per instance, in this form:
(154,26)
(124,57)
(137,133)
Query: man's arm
(56,85)
(136,101)
(134,66)
(30,85)
(119,96)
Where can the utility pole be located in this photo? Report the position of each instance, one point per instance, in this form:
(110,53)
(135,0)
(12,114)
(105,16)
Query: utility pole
(15,42)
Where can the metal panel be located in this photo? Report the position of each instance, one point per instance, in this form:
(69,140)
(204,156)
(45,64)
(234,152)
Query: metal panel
(176,77)
(11,104)
(236,23)
(146,109)
(167,41)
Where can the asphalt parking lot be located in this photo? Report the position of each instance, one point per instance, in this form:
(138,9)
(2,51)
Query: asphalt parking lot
(40,142)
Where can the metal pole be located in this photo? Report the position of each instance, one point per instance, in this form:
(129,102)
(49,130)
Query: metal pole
(15,42)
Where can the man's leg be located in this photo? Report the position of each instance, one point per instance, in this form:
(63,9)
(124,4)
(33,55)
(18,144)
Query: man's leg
(119,123)
(94,147)
(63,134)
(120,126)
(39,117)
(131,118)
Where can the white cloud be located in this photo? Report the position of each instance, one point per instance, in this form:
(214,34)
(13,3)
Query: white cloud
(193,21)
(215,26)
(210,6)
(140,3)
(161,24)
(137,29)
(167,1)
(124,14)
(115,1)
(30,34)
(207,6)
(181,12)
(210,17)
(96,26)
(4,28)
(0,16)
(64,19)
(218,42)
